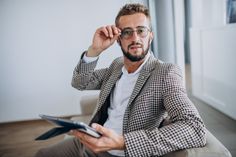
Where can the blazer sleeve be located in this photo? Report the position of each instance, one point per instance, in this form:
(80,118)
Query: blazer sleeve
(186,130)
(85,77)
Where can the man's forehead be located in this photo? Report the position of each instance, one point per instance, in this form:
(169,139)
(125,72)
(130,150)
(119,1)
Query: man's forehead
(133,21)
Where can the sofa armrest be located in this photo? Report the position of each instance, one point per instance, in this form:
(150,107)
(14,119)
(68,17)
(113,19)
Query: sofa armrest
(88,104)
(213,148)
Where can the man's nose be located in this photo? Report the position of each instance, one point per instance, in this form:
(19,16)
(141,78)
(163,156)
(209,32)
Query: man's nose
(135,35)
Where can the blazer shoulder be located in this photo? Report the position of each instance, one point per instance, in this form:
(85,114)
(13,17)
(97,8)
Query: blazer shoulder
(165,68)
(118,60)
(116,64)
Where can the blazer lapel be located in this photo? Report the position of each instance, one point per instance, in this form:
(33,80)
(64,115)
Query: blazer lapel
(143,77)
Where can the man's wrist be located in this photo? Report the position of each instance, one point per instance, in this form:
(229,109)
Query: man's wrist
(121,143)
(91,52)
(87,59)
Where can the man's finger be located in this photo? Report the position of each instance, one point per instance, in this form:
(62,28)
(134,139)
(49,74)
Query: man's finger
(104,31)
(115,30)
(101,129)
(110,31)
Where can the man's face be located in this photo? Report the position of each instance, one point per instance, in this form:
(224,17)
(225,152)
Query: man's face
(136,36)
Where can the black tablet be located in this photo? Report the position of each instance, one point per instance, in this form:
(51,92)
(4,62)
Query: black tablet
(66,125)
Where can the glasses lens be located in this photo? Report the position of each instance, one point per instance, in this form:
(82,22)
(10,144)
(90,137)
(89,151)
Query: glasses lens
(142,31)
(126,33)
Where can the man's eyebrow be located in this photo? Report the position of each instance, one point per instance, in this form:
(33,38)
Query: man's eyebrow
(133,28)
(126,28)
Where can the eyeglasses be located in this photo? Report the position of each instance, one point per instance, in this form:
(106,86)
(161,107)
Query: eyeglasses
(142,32)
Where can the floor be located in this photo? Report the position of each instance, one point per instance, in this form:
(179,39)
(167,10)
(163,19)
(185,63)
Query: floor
(17,139)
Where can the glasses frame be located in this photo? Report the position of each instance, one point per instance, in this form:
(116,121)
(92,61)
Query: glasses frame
(135,30)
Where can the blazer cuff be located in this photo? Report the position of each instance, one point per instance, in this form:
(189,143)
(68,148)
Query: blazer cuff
(82,66)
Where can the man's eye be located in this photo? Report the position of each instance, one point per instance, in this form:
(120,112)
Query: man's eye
(140,31)
(127,32)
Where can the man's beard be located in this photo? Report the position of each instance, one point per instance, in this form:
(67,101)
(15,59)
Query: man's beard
(134,58)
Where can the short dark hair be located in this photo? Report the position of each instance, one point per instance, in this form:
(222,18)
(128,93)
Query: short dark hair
(133,8)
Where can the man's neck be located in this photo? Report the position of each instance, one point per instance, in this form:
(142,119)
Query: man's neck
(132,66)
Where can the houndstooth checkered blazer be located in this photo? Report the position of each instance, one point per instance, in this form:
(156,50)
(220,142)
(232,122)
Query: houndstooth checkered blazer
(158,90)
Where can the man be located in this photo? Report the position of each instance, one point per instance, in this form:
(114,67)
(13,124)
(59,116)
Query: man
(137,92)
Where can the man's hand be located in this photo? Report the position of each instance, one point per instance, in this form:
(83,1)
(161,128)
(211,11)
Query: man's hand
(103,38)
(108,141)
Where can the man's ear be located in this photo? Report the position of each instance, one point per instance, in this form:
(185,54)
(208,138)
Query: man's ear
(151,37)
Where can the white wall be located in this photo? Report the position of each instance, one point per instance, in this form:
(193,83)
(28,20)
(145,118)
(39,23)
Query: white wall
(207,13)
(212,47)
(40,44)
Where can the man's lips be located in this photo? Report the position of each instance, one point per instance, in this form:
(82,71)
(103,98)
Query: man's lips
(135,47)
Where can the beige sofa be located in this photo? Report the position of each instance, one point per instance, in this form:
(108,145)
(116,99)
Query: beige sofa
(213,148)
